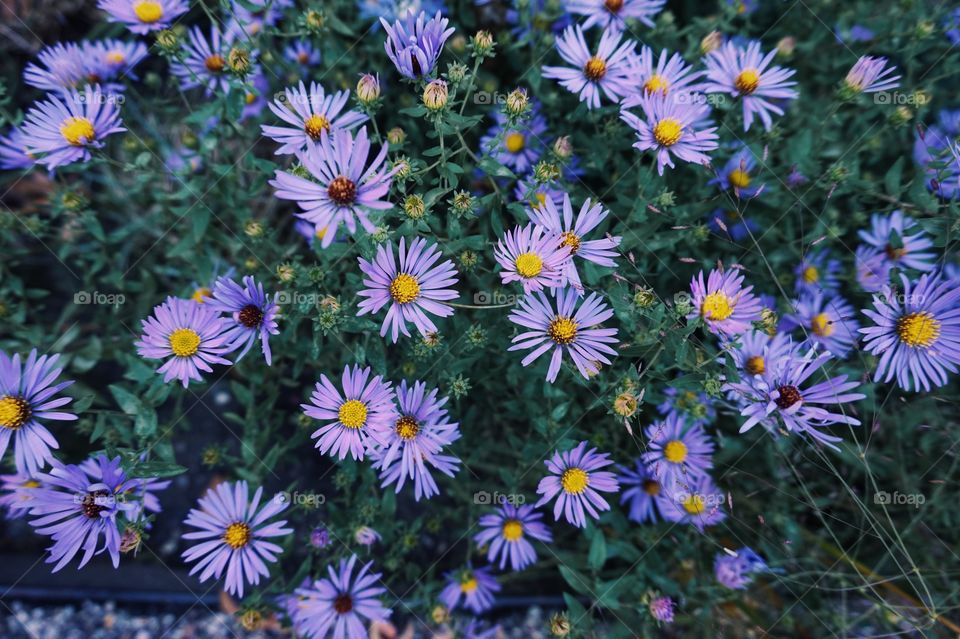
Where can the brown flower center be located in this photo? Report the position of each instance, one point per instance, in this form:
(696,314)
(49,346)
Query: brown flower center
(342,190)
(251,316)
(343,604)
(789,395)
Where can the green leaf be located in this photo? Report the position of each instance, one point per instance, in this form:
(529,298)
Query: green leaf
(598,551)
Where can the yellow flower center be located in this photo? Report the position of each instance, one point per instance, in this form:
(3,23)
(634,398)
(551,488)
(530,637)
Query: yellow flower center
(675,451)
(748,81)
(822,325)
(77,130)
(595,69)
(468,585)
(613,6)
(148,11)
(215,63)
(14,412)
(407,427)
(528,264)
(569,238)
(184,342)
(755,365)
(512,530)
(918,329)
(404,288)
(116,57)
(514,142)
(250,98)
(237,535)
(811,274)
(656,83)
(320,232)
(352,413)
(694,504)
(315,125)
(201,294)
(716,306)
(574,480)
(739,179)
(562,330)
(667,131)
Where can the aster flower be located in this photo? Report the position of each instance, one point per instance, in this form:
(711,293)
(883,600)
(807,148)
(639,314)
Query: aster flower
(533,194)
(738,174)
(672,126)
(363,413)
(723,303)
(205,61)
(532,256)
(420,432)
(901,240)
(342,604)
(250,16)
(76,505)
(576,481)
(189,334)
(661,609)
(302,52)
(110,60)
(560,326)
(817,273)
(62,129)
(506,531)
(736,571)
(692,407)
(870,75)
(936,144)
(59,68)
(641,491)
(232,533)
(343,191)
(144,16)
(668,74)
(698,502)
(746,73)
(827,320)
(780,394)
(320,537)
(755,351)
(16,493)
(606,71)
(252,314)
(676,452)
(366,536)
(414,287)
(13,151)
(873,268)
(516,145)
(615,13)
(312,114)
(571,234)
(475,585)
(28,394)
(916,332)
(731,222)
(414,43)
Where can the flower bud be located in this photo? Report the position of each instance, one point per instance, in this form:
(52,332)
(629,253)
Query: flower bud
(368,89)
(562,147)
(239,60)
(482,43)
(435,95)
(286,273)
(786,46)
(168,41)
(711,42)
(313,20)
(559,625)
(414,207)
(626,404)
(396,135)
(253,228)
(517,102)
(456,72)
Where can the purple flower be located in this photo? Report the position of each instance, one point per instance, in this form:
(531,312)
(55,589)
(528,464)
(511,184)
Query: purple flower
(746,73)
(576,481)
(828,321)
(475,585)
(529,192)
(677,453)
(736,571)
(698,502)
(343,191)
(366,536)
(517,145)
(661,609)
(870,75)
(144,16)
(63,129)
(817,273)
(312,114)
(873,268)
(614,13)
(507,530)
(251,314)
(414,286)
(916,333)
(191,335)
(532,256)
(690,406)
(363,413)
(672,125)
(571,234)
(17,494)
(302,52)
(607,71)
(414,43)
(234,531)
(889,235)
(723,303)
(780,395)
(76,505)
(559,326)
(420,432)
(112,59)
(59,67)
(670,76)
(339,605)
(936,144)
(738,174)
(732,222)
(205,62)
(62,68)
(755,351)
(13,151)
(642,491)
(29,394)
(319,537)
